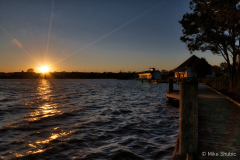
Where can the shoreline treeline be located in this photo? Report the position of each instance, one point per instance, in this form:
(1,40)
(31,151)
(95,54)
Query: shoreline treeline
(69,75)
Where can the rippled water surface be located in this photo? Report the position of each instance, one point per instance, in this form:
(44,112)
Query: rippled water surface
(86,119)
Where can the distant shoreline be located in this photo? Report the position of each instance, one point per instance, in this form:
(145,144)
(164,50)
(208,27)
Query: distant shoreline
(69,75)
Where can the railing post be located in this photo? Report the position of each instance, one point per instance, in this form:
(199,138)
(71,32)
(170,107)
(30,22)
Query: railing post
(188,117)
(189,157)
(170,87)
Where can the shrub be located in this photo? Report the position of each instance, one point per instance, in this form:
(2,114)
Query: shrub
(208,81)
(200,80)
(237,88)
(220,83)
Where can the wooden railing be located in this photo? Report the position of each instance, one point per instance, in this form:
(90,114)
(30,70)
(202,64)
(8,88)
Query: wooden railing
(188,114)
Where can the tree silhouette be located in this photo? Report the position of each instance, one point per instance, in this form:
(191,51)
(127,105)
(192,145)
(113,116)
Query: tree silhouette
(224,67)
(201,67)
(216,69)
(163,71)
(30,70)
(214,25)
(171,73)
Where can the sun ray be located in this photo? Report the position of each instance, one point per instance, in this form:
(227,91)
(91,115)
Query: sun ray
(35,46)
(7,32)
(49,31)
(19,44)
(130,21)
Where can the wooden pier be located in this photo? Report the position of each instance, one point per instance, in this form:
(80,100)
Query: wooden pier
(188,116)
(155,80)
(151,80)
(172,94)
(209,124)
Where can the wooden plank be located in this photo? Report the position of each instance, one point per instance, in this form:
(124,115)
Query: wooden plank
(188,117)
(176,150)
(173,94)
(218,127)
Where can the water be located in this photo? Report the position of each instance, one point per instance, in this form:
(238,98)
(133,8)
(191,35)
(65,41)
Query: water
(86,119)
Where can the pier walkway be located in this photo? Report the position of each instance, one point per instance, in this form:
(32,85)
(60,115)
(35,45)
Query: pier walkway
(218,127)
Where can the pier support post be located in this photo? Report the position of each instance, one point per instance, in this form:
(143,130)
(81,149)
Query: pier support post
(188,117)
(170,87)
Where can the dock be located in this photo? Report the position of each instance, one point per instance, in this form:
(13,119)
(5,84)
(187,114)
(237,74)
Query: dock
(155,80)
(173,94)
(218,127)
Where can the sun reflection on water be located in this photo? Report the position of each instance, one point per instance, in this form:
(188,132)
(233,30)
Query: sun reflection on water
(44,89)
(54,136)
(46,109)
(39,143)
(38,151)
(18,155)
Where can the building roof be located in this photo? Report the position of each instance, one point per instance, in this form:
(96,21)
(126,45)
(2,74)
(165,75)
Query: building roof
(179,69)
(188,63)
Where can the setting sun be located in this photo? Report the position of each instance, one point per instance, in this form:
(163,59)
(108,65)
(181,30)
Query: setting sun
(44,69)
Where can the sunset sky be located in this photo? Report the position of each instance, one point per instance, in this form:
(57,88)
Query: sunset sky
(93,35)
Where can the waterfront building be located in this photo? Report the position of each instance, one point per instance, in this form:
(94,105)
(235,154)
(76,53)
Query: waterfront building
(185,69)
(150,74)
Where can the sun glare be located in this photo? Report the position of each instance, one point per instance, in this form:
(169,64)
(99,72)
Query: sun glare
(44,69)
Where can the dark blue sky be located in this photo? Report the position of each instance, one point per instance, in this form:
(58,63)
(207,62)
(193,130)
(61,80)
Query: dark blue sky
(151,39)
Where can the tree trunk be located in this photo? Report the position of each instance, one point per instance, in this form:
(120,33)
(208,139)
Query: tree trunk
(238,68)
(230,87)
